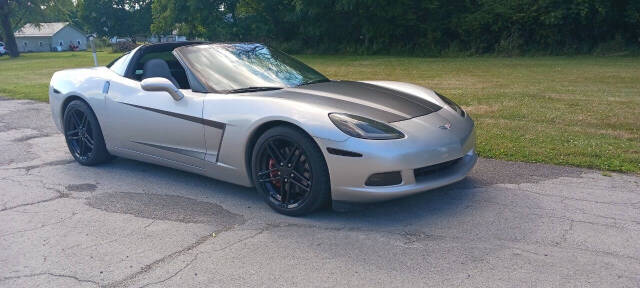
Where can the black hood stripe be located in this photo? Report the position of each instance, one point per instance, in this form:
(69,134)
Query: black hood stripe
(428,105)
(343,105)
(363,99)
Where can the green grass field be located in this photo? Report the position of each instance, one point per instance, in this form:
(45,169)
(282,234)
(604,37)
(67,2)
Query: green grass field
(580,111)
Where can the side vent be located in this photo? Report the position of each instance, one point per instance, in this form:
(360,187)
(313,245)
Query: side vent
(105,88)
(341,152)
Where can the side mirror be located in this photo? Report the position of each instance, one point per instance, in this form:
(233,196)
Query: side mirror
(161,84)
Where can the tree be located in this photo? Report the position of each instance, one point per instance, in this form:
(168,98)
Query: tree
(7,30)
(16,13)
(211,19)
(61,11)
(116,17)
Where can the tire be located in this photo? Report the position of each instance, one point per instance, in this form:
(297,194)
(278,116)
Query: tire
(83,134)
(296,189)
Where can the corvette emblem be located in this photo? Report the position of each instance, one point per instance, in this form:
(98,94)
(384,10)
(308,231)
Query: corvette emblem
(446,126)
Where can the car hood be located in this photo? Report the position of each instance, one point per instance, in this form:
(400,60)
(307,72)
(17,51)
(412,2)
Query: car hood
(363,99)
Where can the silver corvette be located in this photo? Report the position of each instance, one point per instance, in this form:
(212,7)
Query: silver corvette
(251,115)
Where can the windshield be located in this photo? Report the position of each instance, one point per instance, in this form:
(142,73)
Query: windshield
(246,67)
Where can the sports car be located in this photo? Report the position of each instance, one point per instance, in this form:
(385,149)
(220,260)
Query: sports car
(249,114)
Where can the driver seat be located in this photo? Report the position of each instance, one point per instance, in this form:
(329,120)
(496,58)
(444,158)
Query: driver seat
(158,68)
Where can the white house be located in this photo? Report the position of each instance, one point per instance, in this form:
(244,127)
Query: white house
(166,38)
(50,37)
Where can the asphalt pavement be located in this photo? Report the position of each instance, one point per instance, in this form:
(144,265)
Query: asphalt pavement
(132,224)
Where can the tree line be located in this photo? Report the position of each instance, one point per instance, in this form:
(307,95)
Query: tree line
(414,27)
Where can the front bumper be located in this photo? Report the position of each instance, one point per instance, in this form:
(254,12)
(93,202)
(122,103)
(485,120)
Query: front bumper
(423,146)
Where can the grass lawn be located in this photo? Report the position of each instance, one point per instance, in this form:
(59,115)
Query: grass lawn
(580,111)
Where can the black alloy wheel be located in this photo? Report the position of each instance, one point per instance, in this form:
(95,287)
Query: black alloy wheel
(83,135)
(289,169)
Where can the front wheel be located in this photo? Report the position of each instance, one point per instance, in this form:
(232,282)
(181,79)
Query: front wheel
(289,170)
(83,135)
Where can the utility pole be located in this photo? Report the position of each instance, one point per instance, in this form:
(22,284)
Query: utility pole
(93,51)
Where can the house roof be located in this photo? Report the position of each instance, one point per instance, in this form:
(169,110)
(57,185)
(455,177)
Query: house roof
(41,29)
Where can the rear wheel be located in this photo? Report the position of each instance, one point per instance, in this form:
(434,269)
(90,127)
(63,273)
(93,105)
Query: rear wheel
(290,171)
(83,135)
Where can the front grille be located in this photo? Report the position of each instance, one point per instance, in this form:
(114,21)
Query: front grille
(428,170)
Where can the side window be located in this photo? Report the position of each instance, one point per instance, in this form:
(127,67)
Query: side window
(119,66)
(177,71)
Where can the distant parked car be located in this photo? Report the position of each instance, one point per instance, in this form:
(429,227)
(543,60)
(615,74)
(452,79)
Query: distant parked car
(2,49)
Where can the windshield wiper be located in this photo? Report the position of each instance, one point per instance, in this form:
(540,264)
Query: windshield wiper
(254,89)
(315,81)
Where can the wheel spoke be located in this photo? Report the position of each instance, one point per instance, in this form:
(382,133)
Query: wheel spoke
(291,154)
(299,185)
(75,147)
(88,142)
(269,179)
(76,120)
(274,152)
(267,171)
(89,139)
(305,179)
(295,159)
(81,148)
(284,194)
(85,122)
(69,133)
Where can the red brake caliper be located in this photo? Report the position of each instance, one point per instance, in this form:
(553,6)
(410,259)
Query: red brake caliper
(274,174)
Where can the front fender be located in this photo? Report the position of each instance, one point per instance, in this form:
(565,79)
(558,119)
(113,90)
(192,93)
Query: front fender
(85,83)
(244,114)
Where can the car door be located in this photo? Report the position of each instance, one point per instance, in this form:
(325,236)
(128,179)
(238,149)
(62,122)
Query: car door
(154,127)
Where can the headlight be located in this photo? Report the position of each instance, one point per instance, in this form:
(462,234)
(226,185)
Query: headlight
(360,127)
(452,104)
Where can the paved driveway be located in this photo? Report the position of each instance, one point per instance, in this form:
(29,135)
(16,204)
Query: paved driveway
(128,223)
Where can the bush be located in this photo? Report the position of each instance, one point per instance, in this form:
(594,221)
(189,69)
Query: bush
(616,46)
(124,46)
(101,43)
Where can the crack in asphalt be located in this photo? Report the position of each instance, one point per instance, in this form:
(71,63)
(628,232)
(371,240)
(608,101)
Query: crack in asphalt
(40,227)
(153,265)
(46,164)
(106,242)
(60,196)
(193,259)
(165,259)
(31,203)
(33,136)
(49,274)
